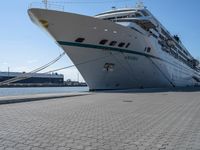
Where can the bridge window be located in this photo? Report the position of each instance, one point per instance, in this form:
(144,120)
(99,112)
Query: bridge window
(103,42)
(79,40)
(113,43)
(127,45)
(121,44)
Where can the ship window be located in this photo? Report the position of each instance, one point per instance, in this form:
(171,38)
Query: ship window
(148,49)
(133,15)
(145,13)
(121,44)
(80,40)
(115,12)
(103,42)
(138,15)
(127,45)
(111,18)
(113,43)
(119,17)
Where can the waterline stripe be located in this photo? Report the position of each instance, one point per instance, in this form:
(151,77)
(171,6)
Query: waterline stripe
(106,48)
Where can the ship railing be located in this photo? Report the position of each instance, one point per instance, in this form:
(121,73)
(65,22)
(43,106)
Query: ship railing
(198,69)
(48,6)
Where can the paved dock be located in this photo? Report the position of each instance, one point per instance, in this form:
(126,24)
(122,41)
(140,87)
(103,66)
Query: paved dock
(104,121)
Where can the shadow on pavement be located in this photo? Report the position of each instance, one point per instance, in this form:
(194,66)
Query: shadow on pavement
(152,90)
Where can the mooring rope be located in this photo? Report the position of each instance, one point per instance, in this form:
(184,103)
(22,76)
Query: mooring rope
(27,75)
(19,78)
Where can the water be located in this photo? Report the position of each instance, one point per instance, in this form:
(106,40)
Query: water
(40,90)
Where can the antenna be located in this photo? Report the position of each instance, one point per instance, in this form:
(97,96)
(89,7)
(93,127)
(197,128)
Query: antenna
(139,4)
(45,3)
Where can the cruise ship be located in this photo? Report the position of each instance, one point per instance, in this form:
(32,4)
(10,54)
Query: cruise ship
(121,48)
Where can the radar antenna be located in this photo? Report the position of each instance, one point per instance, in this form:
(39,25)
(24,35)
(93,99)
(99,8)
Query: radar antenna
(45,3)
(139,4)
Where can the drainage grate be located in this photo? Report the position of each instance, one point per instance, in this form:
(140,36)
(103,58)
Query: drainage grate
(127,101)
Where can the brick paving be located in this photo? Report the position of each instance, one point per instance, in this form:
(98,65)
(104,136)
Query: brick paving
(104,121)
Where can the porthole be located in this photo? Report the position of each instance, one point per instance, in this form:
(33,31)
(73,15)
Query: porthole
(80,40)
(113,43)
(103,42)
(121,44)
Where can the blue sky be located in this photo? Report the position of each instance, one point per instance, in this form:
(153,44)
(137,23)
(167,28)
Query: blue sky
(25,47)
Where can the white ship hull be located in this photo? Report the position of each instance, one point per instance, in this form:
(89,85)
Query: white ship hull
(132,67)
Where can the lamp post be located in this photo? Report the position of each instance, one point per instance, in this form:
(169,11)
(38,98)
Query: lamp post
(45,3)
(8,71)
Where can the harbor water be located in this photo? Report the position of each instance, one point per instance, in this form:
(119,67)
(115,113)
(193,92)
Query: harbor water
(40,90)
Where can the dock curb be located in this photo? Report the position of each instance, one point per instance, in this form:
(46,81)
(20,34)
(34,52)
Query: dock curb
(18,99)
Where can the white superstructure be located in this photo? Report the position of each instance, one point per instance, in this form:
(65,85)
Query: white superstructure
(121,48)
